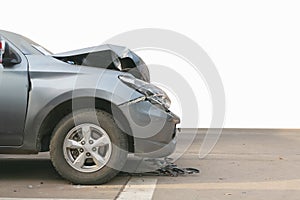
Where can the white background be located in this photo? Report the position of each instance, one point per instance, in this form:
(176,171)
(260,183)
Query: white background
(255,45)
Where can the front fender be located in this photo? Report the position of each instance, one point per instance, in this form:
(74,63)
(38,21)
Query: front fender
(52,86)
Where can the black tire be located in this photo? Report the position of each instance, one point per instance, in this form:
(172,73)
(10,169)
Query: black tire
(118,154)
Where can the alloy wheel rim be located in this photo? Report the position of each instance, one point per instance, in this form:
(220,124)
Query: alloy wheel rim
(87,147)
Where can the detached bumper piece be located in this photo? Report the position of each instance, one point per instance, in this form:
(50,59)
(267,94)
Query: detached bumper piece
(168,168)
(174,171)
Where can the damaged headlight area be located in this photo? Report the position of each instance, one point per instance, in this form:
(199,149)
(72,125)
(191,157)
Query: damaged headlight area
(152,93)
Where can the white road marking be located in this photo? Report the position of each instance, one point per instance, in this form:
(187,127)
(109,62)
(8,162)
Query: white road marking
(138,188)
(2,198)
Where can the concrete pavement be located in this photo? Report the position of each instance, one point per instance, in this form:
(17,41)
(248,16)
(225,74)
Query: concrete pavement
(244,164)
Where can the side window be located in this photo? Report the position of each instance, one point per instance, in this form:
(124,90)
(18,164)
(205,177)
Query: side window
(10,56)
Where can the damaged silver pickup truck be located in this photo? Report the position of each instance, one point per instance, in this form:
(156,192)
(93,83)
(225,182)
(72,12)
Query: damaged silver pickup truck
(88,107)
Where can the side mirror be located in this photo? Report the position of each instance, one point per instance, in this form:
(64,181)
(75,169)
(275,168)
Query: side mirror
(2,49)
(10,61)
(11,58)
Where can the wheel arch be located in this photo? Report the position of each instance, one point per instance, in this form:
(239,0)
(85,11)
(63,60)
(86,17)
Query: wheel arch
(61,110)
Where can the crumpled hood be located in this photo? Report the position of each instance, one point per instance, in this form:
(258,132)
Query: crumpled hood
(107,56)
(118,50)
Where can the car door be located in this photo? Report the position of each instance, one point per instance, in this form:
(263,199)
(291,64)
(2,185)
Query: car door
(14,87)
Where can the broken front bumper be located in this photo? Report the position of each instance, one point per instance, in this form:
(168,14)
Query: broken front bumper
(152,127)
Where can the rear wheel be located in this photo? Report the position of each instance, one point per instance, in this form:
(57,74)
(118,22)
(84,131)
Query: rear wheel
(90,151)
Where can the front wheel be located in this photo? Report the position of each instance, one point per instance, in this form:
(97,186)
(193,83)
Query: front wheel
(87,147)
